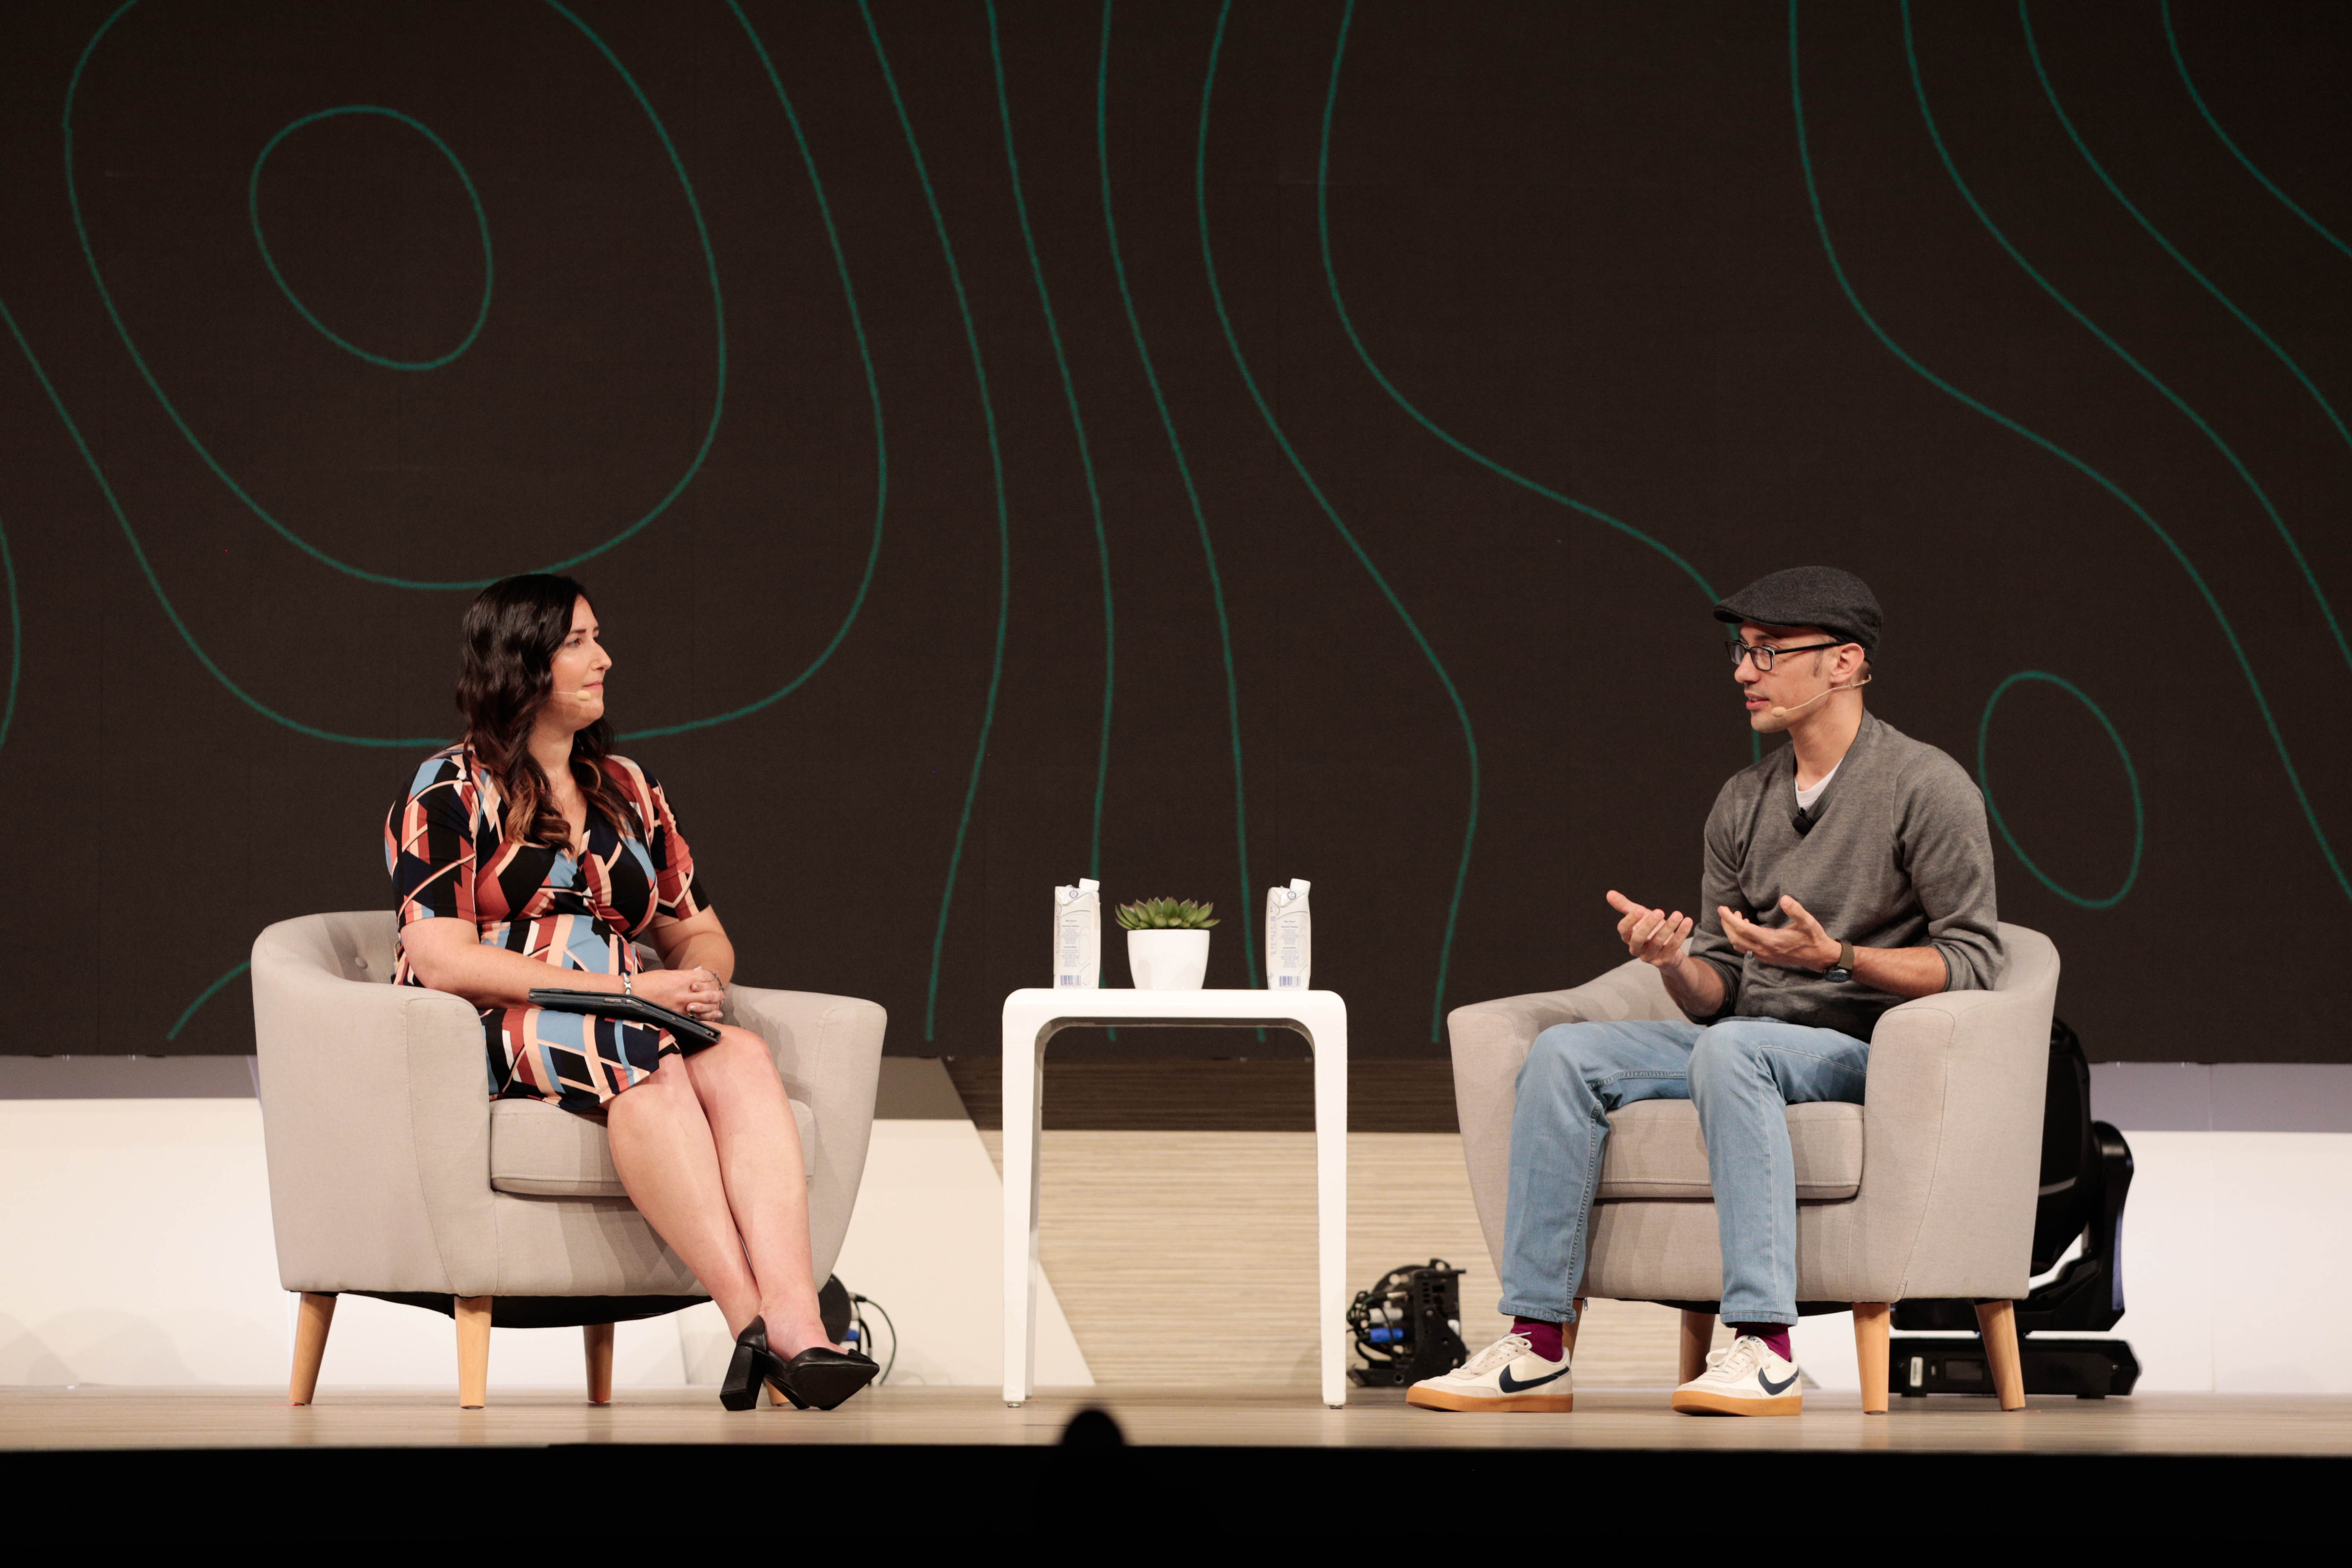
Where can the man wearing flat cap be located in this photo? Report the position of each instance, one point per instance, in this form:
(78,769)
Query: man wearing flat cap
(1846,872)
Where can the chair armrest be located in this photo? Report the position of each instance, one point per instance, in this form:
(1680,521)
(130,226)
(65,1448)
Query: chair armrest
(1952,1142)
(828,1050)
(375,1120)
(1490,1042)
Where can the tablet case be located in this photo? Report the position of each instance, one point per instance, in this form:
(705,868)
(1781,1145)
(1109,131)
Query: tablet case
(636,1009)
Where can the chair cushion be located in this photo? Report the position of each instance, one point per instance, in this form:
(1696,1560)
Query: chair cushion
(538,1150)
(1655,1151)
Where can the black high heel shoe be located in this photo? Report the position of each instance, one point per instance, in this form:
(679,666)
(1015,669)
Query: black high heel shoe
(752,1357)
(819,1376)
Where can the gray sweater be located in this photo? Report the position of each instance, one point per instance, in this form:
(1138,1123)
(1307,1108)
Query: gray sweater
(1898,857)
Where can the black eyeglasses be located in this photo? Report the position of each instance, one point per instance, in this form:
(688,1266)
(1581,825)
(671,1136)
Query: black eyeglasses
(1764,655)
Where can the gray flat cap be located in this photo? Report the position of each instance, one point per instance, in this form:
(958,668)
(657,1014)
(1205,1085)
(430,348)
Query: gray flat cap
(1838,602)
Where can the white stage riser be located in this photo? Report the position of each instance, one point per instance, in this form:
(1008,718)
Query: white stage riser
(2235,1246)
(135,1249)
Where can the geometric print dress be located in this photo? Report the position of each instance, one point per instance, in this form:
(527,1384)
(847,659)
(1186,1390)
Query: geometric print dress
(444,845)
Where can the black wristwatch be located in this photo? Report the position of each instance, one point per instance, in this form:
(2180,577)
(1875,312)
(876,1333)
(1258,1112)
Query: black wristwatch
(1843,970)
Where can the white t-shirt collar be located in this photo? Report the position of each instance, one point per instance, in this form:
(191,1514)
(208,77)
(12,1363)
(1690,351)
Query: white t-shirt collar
(1806,797)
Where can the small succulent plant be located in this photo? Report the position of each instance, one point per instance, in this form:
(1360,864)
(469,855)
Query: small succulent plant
(1165,914)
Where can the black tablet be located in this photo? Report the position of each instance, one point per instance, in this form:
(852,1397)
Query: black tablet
(636,1009)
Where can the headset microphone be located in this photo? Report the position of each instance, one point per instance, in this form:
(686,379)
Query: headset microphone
(1808,702)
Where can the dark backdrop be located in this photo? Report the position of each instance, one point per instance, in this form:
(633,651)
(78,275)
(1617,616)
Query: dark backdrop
(905,452)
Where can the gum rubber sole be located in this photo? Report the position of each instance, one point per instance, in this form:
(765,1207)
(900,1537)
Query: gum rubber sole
(1533,1404)
(1699,1402)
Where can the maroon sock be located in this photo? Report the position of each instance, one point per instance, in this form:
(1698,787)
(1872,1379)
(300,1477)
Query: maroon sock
(1542,1338)
(1774,1335)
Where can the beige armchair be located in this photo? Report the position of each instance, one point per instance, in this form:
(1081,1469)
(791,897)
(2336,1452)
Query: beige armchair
(1927,1188)
(392,1173)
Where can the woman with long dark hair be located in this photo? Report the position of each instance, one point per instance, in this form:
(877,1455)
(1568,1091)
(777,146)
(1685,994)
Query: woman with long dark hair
(528,856)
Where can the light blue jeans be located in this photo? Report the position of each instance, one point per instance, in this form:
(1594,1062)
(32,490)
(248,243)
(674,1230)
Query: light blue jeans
(1742,1073)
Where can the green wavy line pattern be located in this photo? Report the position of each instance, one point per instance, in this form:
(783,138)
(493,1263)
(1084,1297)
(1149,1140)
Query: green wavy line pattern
(2131,774)
(481,221)
(1078,429)
(155,583)
(206,995)
(1363,559)
(1355,340)
(1004,517)
(2286,535)
(881,507)
(1184,473)
(155,384)
(2180,63)
(873,396)
(874,551)
(2180,556)
(1347,325)
(1259,396)
(2049,91)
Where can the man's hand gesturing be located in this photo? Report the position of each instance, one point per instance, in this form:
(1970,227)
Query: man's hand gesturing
(1653,936)
(1800,944)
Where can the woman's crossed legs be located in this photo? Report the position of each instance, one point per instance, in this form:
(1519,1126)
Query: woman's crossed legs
(708,1149)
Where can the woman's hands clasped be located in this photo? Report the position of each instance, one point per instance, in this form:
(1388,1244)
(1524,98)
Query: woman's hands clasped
(696,992)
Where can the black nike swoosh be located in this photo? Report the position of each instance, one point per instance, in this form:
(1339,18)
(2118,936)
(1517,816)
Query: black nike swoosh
(1770,1386)
(1513,1386)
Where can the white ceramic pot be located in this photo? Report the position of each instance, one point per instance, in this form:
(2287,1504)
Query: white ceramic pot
(1167,960)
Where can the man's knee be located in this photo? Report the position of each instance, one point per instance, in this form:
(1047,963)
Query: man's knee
(1724,1051)
(1561,1054)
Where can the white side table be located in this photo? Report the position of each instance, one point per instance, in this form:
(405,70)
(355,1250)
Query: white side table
(1033,1017)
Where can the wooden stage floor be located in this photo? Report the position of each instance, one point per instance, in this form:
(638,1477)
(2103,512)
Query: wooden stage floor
(1615,1419)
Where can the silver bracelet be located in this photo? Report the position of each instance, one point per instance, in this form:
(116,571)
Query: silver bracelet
(628,983)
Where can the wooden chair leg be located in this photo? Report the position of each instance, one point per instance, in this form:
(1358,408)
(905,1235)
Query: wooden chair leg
(473,1351)
(1567,1331)
(1698,1333)
(599,1338)
(1871,1321)
(1997,1321)
(311,1326)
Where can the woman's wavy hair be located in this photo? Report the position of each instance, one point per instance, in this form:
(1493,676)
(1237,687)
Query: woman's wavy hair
(505,677)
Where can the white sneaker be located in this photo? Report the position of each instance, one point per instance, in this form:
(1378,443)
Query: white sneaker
(1506,1376)
(1745,1379)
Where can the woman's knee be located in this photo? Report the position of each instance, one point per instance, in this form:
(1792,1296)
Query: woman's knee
(740,1042)
(737,1056)
(665,1090)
